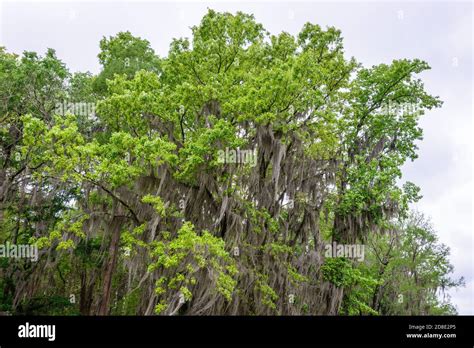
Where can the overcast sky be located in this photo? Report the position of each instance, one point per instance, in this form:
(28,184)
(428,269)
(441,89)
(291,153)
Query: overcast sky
(438,32)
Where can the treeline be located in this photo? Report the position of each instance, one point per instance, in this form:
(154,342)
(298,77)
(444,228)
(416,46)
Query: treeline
(133,212)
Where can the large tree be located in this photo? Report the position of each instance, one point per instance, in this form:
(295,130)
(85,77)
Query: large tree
(156,222)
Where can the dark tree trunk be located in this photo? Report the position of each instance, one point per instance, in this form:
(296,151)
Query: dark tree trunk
(115,227)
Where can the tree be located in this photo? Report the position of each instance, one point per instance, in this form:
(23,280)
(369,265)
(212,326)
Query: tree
(209,181)
(414,270)
(33,85)
(124,54)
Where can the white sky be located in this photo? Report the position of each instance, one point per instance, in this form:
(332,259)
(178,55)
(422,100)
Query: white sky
(438,32)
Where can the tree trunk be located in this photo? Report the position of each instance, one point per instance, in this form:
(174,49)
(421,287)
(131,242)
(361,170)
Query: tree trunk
(115,227)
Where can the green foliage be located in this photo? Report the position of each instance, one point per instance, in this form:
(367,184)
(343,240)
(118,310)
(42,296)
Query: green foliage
(187,255)
(413,270)
(360,286)
(132,209)
(124,54)
(338,271)
(267,293)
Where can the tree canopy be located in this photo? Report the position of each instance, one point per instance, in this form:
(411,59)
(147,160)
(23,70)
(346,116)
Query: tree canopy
(133,212)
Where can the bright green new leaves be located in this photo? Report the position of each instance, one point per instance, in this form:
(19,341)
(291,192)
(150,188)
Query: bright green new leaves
(124,54)
(378,133)
(64,152)
(133,103)
(186,257)
(70,225)
(267,293)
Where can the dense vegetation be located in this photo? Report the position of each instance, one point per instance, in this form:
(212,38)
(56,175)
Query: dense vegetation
(133,213)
